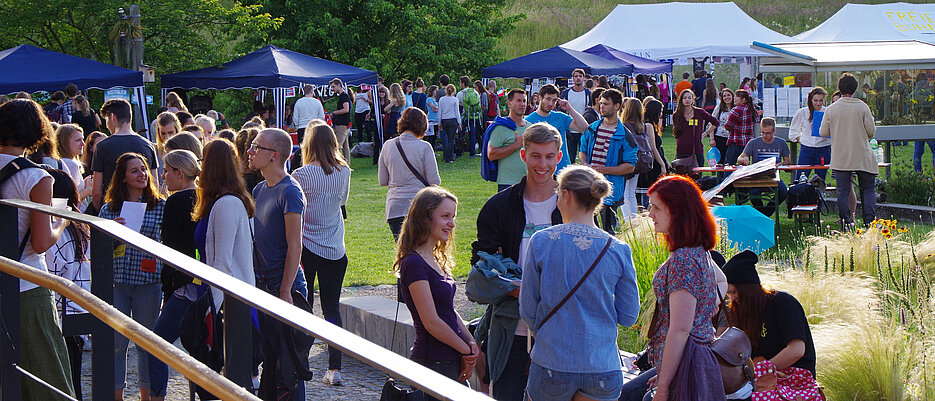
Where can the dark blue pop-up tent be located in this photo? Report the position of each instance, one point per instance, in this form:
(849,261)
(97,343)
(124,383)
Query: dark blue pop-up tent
(640,65)
(556,62)
(271,68)
(31,69)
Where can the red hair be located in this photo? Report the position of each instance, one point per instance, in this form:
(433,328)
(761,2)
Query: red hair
(691,222)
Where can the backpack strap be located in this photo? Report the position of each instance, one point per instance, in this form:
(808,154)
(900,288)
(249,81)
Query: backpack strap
(7,172)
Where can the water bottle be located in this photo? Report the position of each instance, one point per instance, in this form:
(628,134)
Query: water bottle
(877,150)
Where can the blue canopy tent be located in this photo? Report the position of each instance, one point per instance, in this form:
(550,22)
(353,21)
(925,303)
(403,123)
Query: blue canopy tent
(640,65)
(272,68)
(556,62)
(31,69)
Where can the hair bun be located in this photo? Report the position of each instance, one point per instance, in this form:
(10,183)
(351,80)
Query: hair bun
(600,188)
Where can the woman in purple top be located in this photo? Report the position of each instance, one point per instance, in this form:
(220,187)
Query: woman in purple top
(424,260)
(689,127)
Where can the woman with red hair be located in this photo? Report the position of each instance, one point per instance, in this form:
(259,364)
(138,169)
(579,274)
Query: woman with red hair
(686,299)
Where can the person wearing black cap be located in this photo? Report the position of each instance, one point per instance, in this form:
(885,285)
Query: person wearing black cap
(774,320)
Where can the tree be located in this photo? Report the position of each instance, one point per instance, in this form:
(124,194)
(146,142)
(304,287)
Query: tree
(396,38)
(178,34)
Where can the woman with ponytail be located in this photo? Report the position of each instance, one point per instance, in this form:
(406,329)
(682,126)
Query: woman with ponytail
(585,365)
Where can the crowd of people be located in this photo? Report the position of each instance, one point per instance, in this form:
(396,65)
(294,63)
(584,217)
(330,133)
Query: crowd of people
(546,258)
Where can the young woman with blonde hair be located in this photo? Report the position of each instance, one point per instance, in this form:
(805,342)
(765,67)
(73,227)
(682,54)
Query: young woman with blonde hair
(325,179)
(69,140)
(424,260)
(397,100)
(167,126)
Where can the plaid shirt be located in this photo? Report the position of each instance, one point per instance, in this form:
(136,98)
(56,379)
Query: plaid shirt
(740,125)
(66,109)
(136,267)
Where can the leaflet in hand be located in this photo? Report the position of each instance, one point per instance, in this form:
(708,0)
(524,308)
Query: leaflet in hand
(515,281)
(132,213)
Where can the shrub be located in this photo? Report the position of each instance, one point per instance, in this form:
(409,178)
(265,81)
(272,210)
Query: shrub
(871,364)
(909,187)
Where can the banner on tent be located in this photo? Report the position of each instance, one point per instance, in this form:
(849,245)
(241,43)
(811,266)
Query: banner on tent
(912,21)
(117,93)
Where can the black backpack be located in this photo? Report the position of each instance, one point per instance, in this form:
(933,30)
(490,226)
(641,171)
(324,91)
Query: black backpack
(7,172)
(644,156)
(803,194)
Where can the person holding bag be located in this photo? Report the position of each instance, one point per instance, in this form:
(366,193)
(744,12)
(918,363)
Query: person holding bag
(407,164)
(684,367)
(424,260)
(575,355)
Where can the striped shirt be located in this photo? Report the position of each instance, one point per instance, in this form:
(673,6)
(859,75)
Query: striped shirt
(601,143)
(131,265)
(322,221)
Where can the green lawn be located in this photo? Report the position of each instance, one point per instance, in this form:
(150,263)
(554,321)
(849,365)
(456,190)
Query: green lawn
(370,244)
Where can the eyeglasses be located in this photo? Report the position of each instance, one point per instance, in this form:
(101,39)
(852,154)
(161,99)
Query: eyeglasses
(254,147)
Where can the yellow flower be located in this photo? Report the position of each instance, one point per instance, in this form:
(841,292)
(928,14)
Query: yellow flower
(860,231)
(903,229)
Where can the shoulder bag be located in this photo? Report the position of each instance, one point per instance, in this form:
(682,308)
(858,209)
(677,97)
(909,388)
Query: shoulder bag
(411,168)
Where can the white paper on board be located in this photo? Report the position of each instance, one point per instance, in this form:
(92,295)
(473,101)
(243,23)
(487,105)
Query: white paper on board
(769,102)
(132,213)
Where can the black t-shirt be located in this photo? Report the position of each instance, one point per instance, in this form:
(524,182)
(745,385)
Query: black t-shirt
(88,123)
(111,148)
(342,119)
(783,321)
(178,233)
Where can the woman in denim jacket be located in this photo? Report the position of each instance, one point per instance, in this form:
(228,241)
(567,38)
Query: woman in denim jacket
(575,354)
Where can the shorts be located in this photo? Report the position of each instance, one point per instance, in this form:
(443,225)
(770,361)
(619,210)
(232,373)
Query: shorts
(546,384)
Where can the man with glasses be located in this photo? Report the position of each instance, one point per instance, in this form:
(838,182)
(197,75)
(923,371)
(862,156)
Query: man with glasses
(277,247)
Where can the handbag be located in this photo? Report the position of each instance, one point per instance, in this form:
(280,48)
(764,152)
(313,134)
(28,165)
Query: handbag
(412,169)
(391,391)
(732,349)
(685,165)
(575,288)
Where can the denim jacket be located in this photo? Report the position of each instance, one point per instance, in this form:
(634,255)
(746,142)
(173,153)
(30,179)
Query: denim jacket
(621,150)
(582,335)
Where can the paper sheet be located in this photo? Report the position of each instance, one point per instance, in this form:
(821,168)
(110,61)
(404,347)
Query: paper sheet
(132,213)
(794,101)
(769,102)
(741,172)
(782,102)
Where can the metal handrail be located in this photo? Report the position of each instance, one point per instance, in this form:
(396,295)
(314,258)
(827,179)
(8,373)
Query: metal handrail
(425,379)
(139,334)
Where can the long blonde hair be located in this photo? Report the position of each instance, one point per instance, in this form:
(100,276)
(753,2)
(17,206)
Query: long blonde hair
(396,95)
(321,145)
(418,225)
(63,135)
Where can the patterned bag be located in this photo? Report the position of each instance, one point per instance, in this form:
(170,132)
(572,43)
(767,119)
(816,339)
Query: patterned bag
(791,384)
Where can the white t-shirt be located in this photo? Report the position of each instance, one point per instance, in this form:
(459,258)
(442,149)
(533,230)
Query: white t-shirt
(578,100)
(305,110)
(18,187)
(362,106)
(538,217)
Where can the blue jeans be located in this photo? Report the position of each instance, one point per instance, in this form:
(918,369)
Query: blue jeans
(272,287)
(511,385)
(167,327)
(814,156)
(448,133)
(768,210)
(636,388)
(140,302)
(547,384)
(868,191)
(917,152)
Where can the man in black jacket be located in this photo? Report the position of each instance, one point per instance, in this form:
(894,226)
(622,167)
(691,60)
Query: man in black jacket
(504,225)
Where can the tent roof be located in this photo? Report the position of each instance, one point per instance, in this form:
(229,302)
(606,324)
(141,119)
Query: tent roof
(269,67)
(860,22)
(640,65)
(703,29)
(556,62)
(31,69)
(846,56)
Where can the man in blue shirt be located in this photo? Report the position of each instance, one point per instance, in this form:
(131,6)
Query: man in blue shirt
(548,98)
(277,246)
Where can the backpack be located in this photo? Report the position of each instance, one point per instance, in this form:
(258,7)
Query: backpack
(493,107)
(488,168)
(803,194)
(471,103)
(644,156)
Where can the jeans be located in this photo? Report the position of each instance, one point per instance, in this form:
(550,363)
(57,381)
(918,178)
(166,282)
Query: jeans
(574,141)
(733,152)
(630,208)
(472,138)
(75,346)
(636,388)
(449,369)
(814,156)
(330,277)
(868,192)
(917,152)
(758,203)
(720,142)
(167,327)
(140,302)
(272,287)
(449,131)
(511,385)
(547,384)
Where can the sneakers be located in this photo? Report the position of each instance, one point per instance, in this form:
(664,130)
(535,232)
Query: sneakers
(333,378)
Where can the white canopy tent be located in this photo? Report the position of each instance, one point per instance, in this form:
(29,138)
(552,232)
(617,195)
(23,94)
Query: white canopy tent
(864,22)
(817,57)
(699,30)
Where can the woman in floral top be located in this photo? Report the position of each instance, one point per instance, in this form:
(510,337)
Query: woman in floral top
(686,298)
(137,286)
